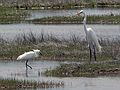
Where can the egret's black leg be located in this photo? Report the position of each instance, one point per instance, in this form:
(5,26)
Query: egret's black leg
(94,52)
(90,53)
(28,65)
(26,69)
(26,73)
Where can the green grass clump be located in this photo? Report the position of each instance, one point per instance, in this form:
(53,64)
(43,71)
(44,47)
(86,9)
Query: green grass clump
(11,15)
(91,69)
(91,19)
(20,84)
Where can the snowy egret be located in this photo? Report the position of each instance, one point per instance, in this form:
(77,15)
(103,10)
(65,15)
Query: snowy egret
(29,55)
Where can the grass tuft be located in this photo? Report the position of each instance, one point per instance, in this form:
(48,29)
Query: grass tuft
(55,48)
(91,19)
(91,69)
(24,84)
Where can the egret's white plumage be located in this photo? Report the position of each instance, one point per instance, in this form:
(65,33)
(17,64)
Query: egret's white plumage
(29,55)
(90,36)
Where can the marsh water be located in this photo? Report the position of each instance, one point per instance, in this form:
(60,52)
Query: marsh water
(61,31)
(89,11)
(16,69)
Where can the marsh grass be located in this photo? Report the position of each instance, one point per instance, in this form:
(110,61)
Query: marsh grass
(91,19)
(54,48)
(20,84)
(11,15)
(91,69)
(61,4)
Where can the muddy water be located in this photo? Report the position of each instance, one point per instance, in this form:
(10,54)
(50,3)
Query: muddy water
(17,69)
(89,11)
(9,69)
(66,31)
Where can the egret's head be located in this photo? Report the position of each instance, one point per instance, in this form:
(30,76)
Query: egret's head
(80,12)
(37,51)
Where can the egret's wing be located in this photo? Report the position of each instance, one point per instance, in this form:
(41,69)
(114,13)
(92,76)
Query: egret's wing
(27,55)
(93,37)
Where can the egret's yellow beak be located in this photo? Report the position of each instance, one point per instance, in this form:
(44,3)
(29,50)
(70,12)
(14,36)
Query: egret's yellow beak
(78,13)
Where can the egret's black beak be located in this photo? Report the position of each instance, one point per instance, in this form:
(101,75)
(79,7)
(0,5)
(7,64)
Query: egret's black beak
(40,53)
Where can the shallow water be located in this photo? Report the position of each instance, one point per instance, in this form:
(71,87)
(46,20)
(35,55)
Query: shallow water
(89,11)
(9,69)
(17,69)
(66,31)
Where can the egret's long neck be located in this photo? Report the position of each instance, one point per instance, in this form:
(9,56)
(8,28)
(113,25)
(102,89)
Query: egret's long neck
(36,54)
(84,23)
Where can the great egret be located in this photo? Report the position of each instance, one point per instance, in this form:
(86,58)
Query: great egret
(90,37)
(28,56)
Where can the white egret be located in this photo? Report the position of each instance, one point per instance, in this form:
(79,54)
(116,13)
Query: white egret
(28,56)
(91,37)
